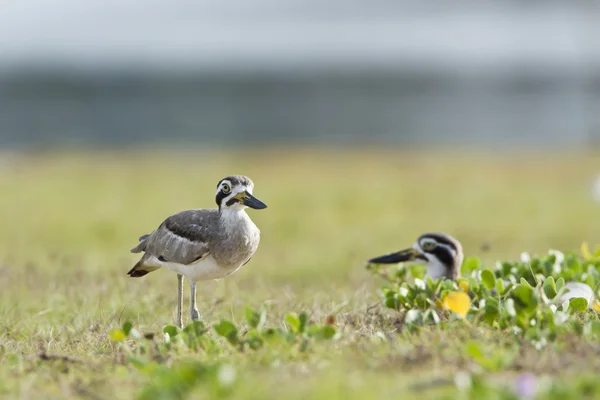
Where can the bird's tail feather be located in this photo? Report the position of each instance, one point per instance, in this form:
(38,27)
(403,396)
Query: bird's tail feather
(140,269)
(141,246)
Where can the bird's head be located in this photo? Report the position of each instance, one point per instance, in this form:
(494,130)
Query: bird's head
(441,253)
(235,192)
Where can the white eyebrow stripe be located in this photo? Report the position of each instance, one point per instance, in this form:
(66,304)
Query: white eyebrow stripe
(451,249)
(221,185)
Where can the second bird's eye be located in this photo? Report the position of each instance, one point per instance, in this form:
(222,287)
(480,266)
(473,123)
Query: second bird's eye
(226,188)
(428,246)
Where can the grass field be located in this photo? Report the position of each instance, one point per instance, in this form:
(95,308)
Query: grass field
(69,220)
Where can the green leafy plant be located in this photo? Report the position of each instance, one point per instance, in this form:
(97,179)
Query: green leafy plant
(300,331)
(525,297)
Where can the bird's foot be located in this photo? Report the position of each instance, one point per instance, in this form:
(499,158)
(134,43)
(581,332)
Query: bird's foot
(195,314)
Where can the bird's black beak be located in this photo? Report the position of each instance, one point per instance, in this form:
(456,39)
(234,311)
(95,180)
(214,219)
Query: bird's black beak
(249,200)
(410,254)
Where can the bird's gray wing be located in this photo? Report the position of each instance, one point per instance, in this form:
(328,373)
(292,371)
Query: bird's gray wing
(182,238)
(141,244)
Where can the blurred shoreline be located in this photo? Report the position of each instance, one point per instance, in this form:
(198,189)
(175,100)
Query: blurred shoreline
(397,108)
(407,73)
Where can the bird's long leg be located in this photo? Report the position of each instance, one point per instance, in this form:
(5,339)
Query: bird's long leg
(193,306)
(179,321)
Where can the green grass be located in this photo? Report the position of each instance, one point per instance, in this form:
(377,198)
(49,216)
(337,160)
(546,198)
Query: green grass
(69,220)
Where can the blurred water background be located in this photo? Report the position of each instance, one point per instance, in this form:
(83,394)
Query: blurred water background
(110,73)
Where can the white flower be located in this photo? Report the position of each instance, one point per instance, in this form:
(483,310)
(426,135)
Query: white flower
(525,257)
(411,316)
(560,317)
(576,289)
(462,380)
(541,344)
(559,258)
(226,375)
(419,283)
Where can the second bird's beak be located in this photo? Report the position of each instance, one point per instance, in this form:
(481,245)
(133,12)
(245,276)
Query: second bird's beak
(409,254)
(248,200)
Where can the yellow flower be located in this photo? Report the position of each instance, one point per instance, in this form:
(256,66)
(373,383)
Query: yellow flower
(458,302)
(464,285)
(585,251)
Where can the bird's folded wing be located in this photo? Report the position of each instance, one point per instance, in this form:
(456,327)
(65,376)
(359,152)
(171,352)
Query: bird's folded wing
(182,238)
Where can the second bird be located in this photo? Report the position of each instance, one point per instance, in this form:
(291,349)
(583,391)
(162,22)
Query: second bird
(203,244)
(442,254)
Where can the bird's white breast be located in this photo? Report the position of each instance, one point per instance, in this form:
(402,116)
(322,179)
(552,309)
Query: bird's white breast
(435,269)
(201,270)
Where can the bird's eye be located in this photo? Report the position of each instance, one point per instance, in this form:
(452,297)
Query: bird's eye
(428,246)
(226,188)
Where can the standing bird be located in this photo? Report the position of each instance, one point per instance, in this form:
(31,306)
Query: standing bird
(203,244)
(441,253)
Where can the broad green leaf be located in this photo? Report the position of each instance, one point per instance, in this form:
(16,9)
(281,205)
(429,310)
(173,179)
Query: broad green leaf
(473,284)
(491,310)
(550,288)
(253,340)
(171,330)
(560,283)
(525,303)
(322,332)
(430,283)
(549,264)
(523,293)
(293,321)
(506,268)
(574,265)
(488,279)
(117,335)
(499,287)
(392,300)
(196,328)
(458,302)
(303,320)
(469,265)
(524,282)
(578,304)
(252,317)
(127,327)
(422,301)
(228,330)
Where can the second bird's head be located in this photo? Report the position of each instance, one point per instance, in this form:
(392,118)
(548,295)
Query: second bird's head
(235,192)
(441,253)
